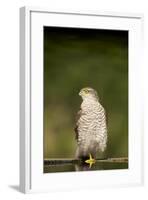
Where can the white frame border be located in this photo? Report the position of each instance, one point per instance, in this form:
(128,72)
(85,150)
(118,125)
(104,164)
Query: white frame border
(25,91)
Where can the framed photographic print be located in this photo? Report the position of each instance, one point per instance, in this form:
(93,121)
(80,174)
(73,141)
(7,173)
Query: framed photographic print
(80,100)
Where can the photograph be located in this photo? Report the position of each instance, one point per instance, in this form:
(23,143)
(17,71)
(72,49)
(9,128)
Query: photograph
(85,99)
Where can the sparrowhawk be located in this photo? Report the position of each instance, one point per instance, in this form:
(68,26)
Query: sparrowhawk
(91,128)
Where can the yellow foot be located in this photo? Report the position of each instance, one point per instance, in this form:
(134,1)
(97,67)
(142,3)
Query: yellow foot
(90,161)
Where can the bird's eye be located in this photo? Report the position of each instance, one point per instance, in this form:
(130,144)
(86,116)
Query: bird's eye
(86,91)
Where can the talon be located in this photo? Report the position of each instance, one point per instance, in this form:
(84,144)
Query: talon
(90,161)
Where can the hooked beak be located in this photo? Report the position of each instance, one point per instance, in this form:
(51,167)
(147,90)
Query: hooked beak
(80,93)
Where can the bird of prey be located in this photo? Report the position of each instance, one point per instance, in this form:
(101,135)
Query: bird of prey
(91,128)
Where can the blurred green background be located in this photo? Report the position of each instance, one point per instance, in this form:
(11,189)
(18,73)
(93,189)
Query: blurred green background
(75,58)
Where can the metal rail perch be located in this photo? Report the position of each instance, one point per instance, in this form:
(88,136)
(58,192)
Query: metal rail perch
(75,161)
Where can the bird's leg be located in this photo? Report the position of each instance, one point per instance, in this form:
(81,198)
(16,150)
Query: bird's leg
(90,161)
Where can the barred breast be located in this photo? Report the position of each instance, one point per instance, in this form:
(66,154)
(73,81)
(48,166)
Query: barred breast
(92,130)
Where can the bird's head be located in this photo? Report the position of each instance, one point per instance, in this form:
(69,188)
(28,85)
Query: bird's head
(88,93)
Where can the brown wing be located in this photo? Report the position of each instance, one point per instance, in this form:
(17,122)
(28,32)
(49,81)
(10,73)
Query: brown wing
(76,127)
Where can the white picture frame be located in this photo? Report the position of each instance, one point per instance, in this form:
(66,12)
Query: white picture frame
(32,178)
